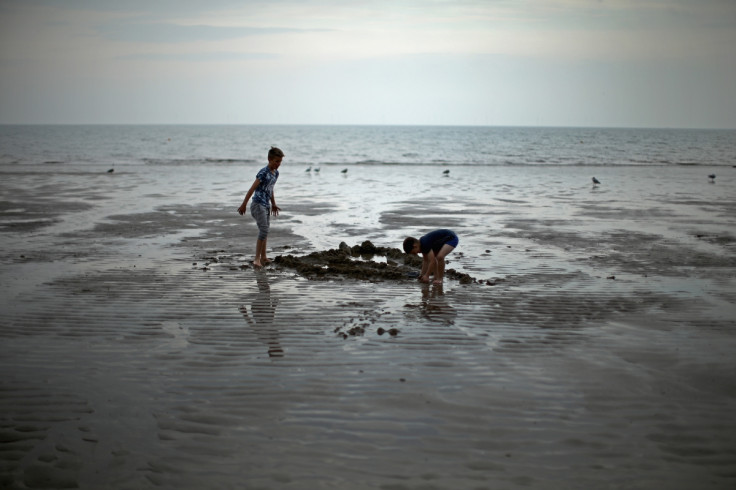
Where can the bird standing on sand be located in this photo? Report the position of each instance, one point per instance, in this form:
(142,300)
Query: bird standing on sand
(446,172)
(111,171)
(309,169)
(712,177)
(344,170)
(596,181)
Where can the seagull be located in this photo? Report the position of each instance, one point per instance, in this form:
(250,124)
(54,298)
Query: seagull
(446,172)
(712,177)
(111,171)
(316,169)
(344,170)
(596,181)
(309,169)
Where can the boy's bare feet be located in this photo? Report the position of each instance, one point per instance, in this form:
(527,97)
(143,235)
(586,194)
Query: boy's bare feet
(256,263)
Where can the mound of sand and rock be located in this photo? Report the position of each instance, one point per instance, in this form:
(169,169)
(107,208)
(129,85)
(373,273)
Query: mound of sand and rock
(358,262)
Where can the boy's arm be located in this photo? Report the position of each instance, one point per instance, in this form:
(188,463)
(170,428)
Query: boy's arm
(252,189)
(429,263)
(274,208)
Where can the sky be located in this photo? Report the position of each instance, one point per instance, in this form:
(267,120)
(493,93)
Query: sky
(605,63)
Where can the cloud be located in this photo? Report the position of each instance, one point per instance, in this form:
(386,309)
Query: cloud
(623,62)
(199,57)
(159,32)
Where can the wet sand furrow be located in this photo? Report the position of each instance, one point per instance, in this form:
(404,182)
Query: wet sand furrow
(378,445)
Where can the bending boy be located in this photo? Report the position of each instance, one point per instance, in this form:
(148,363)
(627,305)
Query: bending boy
(434,247)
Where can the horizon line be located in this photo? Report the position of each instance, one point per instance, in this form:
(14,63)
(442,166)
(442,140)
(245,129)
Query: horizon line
(529,126)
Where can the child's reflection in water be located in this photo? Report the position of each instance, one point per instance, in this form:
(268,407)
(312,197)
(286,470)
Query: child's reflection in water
(261,316)
(435,305)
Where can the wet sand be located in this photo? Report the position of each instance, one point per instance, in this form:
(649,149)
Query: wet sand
(141,349)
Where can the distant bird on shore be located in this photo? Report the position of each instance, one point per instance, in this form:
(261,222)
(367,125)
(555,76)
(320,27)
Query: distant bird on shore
(446,172)
(344,170)
(596,181)
(316,169)
(111,171)
(712,177)
(309,169)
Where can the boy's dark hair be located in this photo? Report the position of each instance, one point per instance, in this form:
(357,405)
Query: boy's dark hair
(409,244)
(275,152)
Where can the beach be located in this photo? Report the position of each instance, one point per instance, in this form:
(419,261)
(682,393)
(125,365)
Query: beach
(591,347)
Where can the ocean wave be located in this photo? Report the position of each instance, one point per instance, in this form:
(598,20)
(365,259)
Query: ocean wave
(9,160)
(195,161)
(229,160)
(504,163)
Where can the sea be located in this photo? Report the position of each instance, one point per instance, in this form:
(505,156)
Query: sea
(109,145)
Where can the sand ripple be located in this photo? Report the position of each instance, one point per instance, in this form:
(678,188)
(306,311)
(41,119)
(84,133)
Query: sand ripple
(232,375)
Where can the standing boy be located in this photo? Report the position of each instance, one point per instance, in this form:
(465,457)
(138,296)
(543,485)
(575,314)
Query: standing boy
(434,247)
(264,202)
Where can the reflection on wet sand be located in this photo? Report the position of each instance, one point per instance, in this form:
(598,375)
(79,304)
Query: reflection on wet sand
(435,305)
(261,316)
